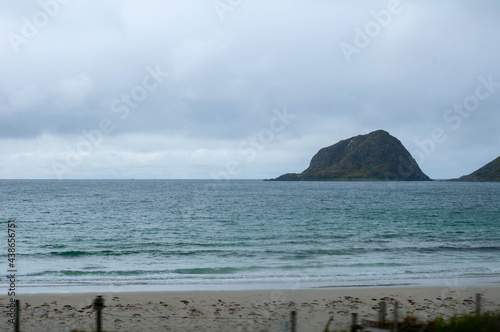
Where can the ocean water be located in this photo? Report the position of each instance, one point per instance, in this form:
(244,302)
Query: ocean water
(201,234)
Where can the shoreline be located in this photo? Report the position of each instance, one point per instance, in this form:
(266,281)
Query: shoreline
(230,310)
(479,281)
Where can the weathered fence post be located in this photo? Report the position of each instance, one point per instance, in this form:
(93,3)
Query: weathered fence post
(327,327)
(382,312)
(293,321)
(98,305)
(17,326)
(478,304)
(354,325)
(395,325)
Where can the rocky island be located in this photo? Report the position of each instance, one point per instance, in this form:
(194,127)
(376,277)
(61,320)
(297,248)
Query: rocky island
(377,156)
(488,173)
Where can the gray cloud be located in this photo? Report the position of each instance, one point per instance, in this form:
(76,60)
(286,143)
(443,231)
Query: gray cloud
(226,77)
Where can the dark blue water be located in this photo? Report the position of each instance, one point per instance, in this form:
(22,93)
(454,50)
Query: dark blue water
(195,234)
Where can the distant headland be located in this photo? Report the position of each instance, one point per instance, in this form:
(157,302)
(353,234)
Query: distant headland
(488,173)
(377,156)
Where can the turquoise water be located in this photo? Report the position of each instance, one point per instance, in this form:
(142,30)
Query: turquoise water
(201,234)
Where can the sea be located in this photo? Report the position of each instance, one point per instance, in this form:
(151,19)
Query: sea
(136,235)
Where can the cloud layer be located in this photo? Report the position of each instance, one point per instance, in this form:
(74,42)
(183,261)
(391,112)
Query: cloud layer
(184,89)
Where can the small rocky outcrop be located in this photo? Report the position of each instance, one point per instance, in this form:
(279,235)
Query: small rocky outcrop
(488,173)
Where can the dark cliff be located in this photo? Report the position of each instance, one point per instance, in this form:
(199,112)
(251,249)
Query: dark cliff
(377,156)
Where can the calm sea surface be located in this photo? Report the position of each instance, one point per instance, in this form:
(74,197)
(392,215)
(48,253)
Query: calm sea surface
(197,234)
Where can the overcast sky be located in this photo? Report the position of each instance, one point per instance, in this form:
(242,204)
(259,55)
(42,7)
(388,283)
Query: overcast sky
(240,88)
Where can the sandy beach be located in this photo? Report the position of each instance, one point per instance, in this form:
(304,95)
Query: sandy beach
(246,310)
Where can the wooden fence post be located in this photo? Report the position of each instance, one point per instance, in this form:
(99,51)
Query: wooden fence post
(382,312)
(478,304)
(395,326)
(354,325)
(293,321)
(98,305)
(17,321)
(327,327)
